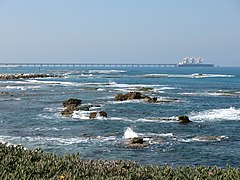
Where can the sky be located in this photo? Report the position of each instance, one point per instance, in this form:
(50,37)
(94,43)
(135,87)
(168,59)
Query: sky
(124,31)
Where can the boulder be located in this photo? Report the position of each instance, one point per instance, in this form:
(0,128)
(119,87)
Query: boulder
(72,102)
(93,115)
(183,119)
(120,97)
(103,113)
(133,95)
(137,142)
(68,111)
(128,96)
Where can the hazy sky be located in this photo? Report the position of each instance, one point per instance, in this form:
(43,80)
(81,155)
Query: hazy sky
(120,31)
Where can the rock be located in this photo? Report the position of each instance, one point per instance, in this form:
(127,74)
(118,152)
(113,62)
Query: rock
(133,95)
(25,76)
(128,96)
(93,115)
(120,97)
(72,102)
(151,100)
(183,119)
(85,107)
(71,105)
(137,142)
(103,113)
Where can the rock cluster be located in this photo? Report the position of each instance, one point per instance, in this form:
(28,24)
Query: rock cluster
(134,95)
(70,106)
(25,76)
(73,104)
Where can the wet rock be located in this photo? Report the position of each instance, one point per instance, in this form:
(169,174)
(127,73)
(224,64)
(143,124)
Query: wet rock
(69,111)
(103,113)
(137,142)
(120,97)
(72,102)
(151,100)
(70,106)
(93,115)
(25,76)
(183,119)
(129,96)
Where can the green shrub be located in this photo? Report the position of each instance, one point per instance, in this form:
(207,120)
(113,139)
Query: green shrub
(18,163)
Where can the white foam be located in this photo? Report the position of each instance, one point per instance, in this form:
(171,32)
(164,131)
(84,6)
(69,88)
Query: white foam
(106,71)
(23,88)
(204,139)
(195,75)
(231,113)
(129,133)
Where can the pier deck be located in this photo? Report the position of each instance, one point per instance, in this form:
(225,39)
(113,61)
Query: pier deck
(85,65)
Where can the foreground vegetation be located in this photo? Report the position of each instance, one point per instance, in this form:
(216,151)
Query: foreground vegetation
(18,163)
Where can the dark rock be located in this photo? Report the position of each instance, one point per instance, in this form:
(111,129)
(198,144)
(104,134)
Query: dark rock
(93,115)
(137,142)
(120,97)
(69,111)
(103,113)
(85,107)
(128,96)
(150,99)
(133,95)
(183,119)
(72,102)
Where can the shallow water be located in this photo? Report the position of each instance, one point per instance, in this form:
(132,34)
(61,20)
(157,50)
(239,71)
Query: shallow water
(31,113)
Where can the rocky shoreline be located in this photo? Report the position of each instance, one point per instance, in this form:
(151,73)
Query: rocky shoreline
(26,76)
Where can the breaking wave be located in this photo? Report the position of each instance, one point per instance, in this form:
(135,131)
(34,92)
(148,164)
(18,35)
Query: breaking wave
(231,113)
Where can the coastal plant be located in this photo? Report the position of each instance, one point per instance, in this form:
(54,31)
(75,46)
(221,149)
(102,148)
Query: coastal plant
(18,163)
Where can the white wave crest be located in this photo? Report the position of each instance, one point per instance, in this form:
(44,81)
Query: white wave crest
(129,133)
(106,71)
(231,113)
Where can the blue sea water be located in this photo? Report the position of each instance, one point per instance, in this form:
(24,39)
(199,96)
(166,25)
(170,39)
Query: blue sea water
(30,114)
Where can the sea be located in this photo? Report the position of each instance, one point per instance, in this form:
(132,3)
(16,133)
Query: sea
(30,113)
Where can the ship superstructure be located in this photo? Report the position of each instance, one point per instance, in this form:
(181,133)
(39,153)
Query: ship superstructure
(193,62)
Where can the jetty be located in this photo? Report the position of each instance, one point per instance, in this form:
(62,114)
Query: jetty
(84,65)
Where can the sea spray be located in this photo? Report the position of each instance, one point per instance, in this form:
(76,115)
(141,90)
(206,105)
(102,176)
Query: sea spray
(129,133)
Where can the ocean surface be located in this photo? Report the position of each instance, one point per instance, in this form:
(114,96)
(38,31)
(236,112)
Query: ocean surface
(30,113)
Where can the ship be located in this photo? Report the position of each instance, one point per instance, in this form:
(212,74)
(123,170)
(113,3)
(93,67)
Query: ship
(193,62)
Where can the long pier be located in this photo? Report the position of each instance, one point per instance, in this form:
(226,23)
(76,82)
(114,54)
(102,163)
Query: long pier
(84,65)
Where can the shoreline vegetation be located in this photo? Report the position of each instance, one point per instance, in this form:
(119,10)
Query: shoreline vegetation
(20,163)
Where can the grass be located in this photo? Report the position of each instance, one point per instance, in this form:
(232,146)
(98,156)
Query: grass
(19,163)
